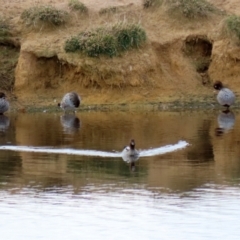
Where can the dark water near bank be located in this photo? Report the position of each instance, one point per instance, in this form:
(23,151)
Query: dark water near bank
(191,193)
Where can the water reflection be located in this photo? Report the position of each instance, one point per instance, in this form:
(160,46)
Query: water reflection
(131,159)
(202,150)
(71,123)
(98,146)
(226,120)
(48,176)
(4,123)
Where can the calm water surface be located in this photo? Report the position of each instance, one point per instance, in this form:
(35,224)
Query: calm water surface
(192,193)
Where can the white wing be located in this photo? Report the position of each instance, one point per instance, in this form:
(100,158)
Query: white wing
(69,151)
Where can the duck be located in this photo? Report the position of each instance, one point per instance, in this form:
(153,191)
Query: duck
(4,104)
(130,154)
(70,102)
(225,96)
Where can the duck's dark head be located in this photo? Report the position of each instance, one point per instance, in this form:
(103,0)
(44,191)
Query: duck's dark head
(2,95)
(218,85)
(58,104)
(132,144)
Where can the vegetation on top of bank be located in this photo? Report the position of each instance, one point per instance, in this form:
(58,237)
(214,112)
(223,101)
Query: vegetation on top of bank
(109,41)
(8,61)
(47,15)
(233,25)
(76,5)
(152,3)
(191,8)
(4,29)
(108,10)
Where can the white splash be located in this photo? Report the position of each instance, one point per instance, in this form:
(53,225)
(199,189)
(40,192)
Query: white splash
(70,151)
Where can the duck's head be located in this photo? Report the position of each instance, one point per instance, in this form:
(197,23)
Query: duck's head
(132,144)
(218,85)
(2,95)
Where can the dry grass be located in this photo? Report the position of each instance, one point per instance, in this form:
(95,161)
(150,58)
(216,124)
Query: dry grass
(78,6)
(44,15)
(191,9)
(8,61)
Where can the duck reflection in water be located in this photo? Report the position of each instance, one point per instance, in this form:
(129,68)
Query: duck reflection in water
(226,120)
(70,123)
(130,154)
(4,123)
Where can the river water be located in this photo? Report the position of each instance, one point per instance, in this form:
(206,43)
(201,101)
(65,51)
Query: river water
(63,177)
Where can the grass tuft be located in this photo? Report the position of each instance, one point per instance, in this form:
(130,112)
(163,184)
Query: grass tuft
(48,15)
(191,8)
(152,3)
(107,41)
(76,5)
(4,29)
(108,10)
(233,25)
(8,61)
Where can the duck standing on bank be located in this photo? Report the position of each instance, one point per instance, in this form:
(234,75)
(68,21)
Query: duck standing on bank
(70,102)
(4,104)
(225,96)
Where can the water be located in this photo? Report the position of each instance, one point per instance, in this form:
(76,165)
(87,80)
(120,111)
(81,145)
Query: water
(191,192)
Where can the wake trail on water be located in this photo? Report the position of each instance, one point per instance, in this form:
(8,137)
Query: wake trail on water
(69,151)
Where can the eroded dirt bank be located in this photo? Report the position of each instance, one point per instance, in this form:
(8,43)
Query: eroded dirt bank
(178,63)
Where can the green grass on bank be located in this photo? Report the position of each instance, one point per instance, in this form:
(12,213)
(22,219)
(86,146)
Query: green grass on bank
(233,25)
(78,6)
(109,41)
(191,8)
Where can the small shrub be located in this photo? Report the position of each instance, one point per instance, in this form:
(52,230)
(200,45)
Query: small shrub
(44,14)
(130,35)
(101,44)
(233,25)
(4,29)
(75,5)
(151,3)
(108,10)
(191,8)
(8,61)
(107,41)
(72,45)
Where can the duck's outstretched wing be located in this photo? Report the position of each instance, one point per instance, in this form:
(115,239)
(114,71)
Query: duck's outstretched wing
(68,151)
(164,149)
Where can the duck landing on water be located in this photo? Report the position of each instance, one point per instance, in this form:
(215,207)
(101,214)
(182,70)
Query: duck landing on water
(130,154)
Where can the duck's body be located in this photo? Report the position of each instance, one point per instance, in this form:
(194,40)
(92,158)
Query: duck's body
(225,96)
(130,154)
(4,104)
(70,102)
